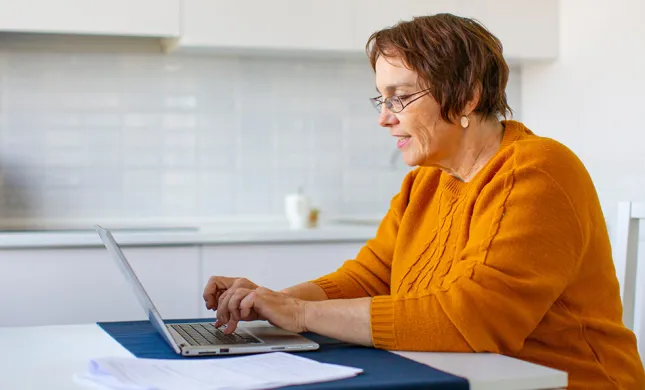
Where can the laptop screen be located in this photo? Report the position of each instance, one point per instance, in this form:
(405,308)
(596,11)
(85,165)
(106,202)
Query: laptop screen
(134,282)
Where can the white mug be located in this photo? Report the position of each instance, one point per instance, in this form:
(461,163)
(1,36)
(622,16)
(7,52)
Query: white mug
(297,210)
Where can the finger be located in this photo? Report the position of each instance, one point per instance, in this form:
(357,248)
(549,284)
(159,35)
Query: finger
(247,305)
(218,323)
(210,301)
(218,295)
(239,282)
(210,287)
(230,327)
(222,307)
(212,290)
(234,303)
(209,298)
(223,313)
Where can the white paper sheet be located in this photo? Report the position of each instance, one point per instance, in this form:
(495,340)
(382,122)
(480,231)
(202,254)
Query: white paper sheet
(253,372)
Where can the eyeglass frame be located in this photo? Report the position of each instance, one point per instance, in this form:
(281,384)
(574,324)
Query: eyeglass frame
(378,103)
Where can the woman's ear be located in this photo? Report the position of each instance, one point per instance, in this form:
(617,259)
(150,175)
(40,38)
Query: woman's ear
(474,101)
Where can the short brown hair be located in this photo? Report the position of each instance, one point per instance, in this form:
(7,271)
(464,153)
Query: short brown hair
(453,56)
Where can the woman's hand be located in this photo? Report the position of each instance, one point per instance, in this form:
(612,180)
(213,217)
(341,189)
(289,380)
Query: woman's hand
(238,299)
(218,293)
(261,303)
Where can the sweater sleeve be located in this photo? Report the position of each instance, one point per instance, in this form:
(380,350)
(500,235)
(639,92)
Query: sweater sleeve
(368,274)
(525,243)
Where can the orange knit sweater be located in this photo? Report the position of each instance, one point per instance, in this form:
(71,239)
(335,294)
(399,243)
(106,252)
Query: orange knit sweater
(516,261)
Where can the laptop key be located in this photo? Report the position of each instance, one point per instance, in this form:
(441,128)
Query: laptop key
(193,337)
(207,334)
(185,335)
(211,337)
(232,338)
(219,336)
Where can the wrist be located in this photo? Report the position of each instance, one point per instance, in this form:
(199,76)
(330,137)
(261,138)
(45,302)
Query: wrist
(306,315)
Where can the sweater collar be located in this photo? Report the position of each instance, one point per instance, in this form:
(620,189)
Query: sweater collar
(513,130)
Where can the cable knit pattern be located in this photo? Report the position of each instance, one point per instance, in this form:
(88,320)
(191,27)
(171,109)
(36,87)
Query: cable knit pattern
(517,261)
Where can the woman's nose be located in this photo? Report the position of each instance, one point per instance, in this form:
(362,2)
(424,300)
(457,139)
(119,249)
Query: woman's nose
(386,118)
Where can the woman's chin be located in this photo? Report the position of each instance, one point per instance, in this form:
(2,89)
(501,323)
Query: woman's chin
(411,159)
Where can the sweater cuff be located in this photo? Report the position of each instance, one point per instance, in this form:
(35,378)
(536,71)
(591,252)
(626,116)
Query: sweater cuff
(382,322)
(332,290)
(337,285)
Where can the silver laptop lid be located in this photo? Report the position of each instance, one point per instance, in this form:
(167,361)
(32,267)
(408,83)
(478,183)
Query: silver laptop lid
(135,283)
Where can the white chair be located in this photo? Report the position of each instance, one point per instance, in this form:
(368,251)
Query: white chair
(625,253)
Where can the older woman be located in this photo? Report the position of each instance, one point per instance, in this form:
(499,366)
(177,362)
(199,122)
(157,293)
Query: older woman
(495,243)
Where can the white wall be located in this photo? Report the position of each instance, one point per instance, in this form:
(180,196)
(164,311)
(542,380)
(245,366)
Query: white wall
(133,135)
(93,134)
(593,97)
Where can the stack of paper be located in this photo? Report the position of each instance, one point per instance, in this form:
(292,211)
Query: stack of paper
(262,371)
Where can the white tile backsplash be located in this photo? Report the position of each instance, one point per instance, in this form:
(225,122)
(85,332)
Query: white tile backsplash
(85,134)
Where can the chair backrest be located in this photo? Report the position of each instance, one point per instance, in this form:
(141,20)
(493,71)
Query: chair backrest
(625,253)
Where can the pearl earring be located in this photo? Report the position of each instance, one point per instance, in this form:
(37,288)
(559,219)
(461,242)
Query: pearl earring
(464,121)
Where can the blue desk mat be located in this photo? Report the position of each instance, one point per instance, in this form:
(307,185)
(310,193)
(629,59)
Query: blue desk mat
(382,369)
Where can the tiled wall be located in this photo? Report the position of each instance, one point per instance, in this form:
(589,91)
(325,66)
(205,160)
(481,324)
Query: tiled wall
(90,134)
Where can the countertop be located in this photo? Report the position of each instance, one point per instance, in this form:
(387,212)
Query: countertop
(140,233)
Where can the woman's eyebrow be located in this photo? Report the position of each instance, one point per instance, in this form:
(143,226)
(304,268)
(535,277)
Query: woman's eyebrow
(393,87)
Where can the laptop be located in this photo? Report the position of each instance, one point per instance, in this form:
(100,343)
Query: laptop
(202,338)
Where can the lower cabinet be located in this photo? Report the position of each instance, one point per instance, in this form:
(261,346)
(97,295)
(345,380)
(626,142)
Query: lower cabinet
(84,285)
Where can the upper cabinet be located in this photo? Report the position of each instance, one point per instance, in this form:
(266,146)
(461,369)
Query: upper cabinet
(369,16)
(275,25)
(527,28)
(136,18)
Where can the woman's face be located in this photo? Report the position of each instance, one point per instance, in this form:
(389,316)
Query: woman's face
(423,137)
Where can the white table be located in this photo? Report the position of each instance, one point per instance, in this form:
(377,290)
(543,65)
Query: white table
(46,357)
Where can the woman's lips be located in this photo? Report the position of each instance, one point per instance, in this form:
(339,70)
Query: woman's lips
(402,142)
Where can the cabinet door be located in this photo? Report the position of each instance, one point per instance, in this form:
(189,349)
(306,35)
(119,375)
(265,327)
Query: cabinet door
(369,16)
(155,18)
(528,29)
(170,275)
(68,286)
(266,25)
(275,266)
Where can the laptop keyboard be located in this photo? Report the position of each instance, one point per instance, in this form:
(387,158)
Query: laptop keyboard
(207,334)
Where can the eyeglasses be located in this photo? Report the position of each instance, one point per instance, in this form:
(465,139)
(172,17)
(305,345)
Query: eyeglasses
(395,103)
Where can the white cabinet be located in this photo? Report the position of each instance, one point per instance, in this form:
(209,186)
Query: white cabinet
(170,274)
(528,29)
(266,25)
(84,285)
(144,18)
(369,16)
(275,266)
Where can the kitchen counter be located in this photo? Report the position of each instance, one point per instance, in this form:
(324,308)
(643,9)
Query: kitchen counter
(214,233)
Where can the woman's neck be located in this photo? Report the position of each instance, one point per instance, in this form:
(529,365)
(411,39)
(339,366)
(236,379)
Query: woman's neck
(479,144)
